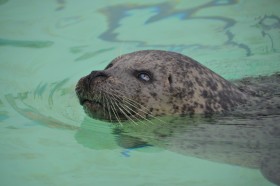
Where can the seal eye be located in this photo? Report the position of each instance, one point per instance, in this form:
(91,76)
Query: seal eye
(144,76)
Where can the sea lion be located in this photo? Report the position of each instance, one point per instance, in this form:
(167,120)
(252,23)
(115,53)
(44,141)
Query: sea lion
(151,83)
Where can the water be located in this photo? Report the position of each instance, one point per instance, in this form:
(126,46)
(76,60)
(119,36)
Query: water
(45,47)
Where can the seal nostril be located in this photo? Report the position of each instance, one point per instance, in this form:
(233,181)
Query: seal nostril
(95,74)
(92,78)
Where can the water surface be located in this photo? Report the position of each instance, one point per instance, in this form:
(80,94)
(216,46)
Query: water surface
(45,47)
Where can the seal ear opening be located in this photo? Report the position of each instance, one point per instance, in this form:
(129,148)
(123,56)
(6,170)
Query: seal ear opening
(170,80)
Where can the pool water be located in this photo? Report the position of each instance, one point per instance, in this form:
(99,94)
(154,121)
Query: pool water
(47,46)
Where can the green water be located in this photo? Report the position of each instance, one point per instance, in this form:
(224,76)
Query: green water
(46,46)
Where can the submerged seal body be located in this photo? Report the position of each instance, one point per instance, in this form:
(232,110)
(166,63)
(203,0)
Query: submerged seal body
(143,85)
(152,83)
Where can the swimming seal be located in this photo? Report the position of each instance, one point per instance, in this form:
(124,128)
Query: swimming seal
(140,86)
(152,83)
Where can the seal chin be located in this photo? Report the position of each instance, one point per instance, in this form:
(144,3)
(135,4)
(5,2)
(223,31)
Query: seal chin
(91,103)
(88,101)
(99,110)
(94,110)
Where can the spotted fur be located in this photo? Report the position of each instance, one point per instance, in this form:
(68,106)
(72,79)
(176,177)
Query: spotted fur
(178,85)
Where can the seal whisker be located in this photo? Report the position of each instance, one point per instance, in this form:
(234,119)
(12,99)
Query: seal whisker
(139,115)
(124,113)
(114,110)
(137,106)
(141,110)
(128,110)
(134,104)
(103,101)
(122,99)
(108,106)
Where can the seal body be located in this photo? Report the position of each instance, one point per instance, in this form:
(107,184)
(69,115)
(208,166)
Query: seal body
(152,83)
(146,84)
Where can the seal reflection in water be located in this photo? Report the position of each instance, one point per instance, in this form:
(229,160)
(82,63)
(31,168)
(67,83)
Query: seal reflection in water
(142,86)
(151,83)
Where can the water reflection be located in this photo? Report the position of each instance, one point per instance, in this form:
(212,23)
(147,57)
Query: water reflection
(248,136)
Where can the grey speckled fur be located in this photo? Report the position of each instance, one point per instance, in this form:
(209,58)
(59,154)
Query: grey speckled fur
(179,85)
(246,133)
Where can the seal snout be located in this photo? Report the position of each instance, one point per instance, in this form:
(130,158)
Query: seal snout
(87,84)
(98,74)
(93,79)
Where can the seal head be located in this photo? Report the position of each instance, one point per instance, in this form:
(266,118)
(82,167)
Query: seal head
(152,83)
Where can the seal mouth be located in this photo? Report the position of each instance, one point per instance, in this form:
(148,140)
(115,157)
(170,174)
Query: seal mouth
(112,108)
(103,111)
(84,101)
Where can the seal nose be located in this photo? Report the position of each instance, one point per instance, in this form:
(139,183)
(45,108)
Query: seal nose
(95,74)
(95,77)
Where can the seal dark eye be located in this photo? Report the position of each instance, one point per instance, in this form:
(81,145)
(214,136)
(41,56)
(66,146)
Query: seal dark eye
(143,76)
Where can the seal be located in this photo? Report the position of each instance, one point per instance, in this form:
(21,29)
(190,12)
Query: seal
(151,83)
(140,87)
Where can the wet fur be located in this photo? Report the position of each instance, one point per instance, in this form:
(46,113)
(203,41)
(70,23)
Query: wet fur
(179,86)
(248,135)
